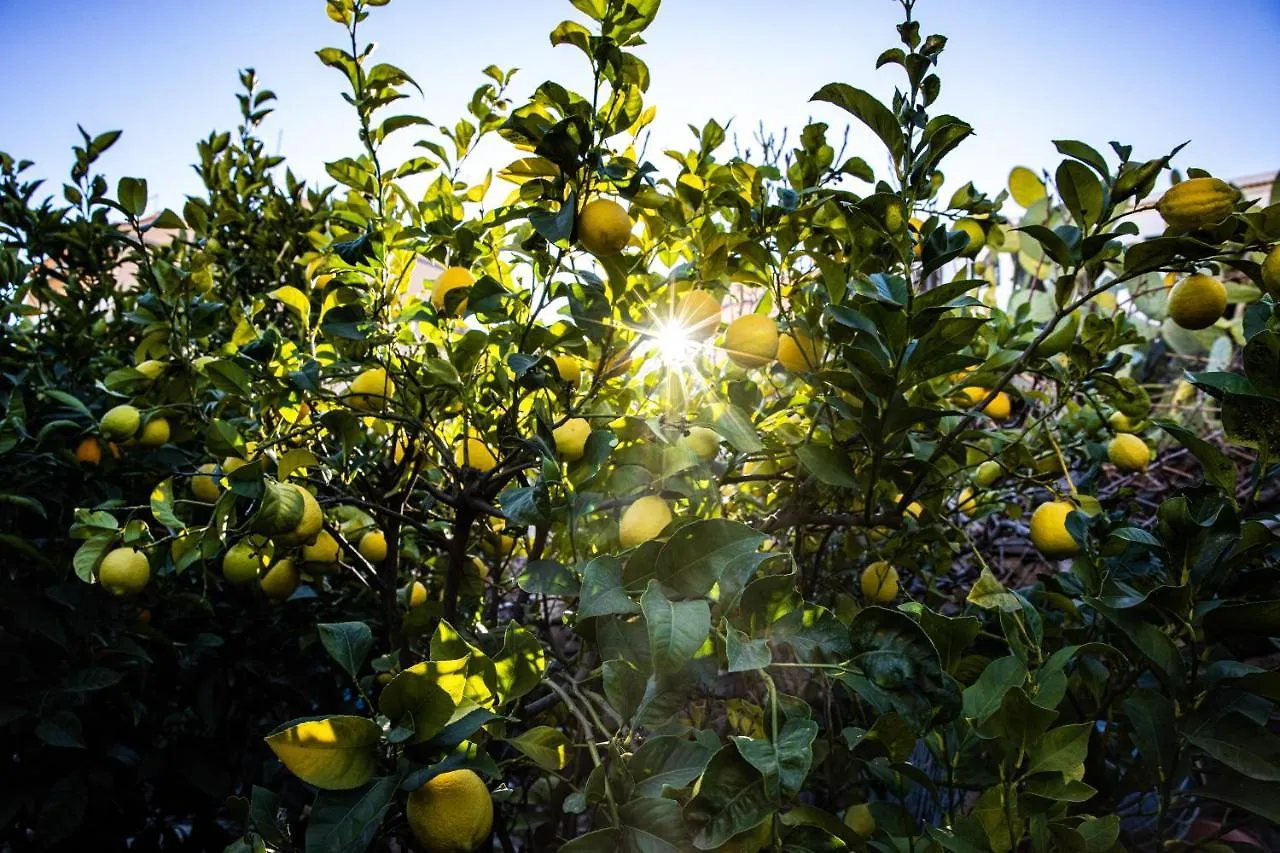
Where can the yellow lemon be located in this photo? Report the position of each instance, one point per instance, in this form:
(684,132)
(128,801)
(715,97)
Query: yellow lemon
(370,390)
(604,227)
(987,474)
(451,813)
(281,581)
(311,523)
(323,552)
(498,545)
(417,594)
(880,583)
(246,560)
(1197,302)
(569,368)
(698,313)
(998,409)
(1128,452)
(967,501)
(977,237)
(373,546)
(860,820)
(1120,422)
(751,340)
(643,520)
(1049,530)
(705,443)
(120,423)
(1197,203)
(474,453)
(151,368)
(451,279)
(204,485)
(124,572)
(571,438)
(1271,272)
(798,352)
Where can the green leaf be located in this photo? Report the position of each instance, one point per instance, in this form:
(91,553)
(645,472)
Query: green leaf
(90,679)
(744,654)
(1239,743)
(668,761)
(1060,750)
(295,300)
(1218,469)
(546,747)
(989,593)
(866,108)
(984,697)
(784,763)
(899,669)
(520,664)
(348,643)
(548,577)
(602,591)
(429,692)
(132,195)
(731,798)
(677,629)
(697,554)
(1153,643)
(162,505)
(335,753)
(1154,732)
(348,821)
(829,465)
(1248,619)
(624,687)
(1260,798)
(728,420)
(653,825)
(1085,153)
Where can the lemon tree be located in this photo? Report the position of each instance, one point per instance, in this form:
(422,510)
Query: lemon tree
(735,502)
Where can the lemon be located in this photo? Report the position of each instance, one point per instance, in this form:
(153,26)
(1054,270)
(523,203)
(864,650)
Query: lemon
(860,820)
(124,572)
(451,279)
(154,433)
(498,545)
(370,390)
(281,581)
(751,340)
(474,453)
(705,443)
(643,520)
(571,438)
(977,237)
(1049,530)
(311,523)
(1128,452)
(1197,302)
(1271,272)
(245,560)
(89,451)
(880,583)
(798,352)
(417,594)
(204,485)
(698,313)
(373,546)
(569,368)
(966,501)
(1197,203)
(604,227)
(1120,422)
(120,423)
(998,409)
(151,368)
(451,813)
(323,552)
(987,474)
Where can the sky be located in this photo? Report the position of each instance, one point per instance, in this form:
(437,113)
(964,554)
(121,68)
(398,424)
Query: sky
(1151,73)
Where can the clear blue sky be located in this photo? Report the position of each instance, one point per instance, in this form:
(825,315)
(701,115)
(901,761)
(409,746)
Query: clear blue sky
(1148,72)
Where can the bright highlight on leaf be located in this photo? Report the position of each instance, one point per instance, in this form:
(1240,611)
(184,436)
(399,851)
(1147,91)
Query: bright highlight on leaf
(334,754)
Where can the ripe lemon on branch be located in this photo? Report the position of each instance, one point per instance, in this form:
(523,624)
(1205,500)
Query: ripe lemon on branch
(604,227)
(120,423)
(751,340)
(451,279)
(124,572)
(1128,452)
(370,390)
(1197,203)
(798,352)
(643,520)
(1197,302)
(698,314)
(879,583)
(571,438)
(1049,530)
(451,813)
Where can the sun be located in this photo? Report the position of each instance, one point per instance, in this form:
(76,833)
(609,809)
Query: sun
(673,344)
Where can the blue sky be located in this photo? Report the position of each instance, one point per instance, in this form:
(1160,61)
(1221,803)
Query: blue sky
(1152,73)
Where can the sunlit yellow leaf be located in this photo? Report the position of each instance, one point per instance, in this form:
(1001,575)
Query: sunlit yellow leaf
(335,753)
(1025,186)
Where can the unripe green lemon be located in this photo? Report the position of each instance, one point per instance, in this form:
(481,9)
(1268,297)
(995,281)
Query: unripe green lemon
(124,572)
(1271,271)
(987,474)
(704,442)
(860,820)
(120,423)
